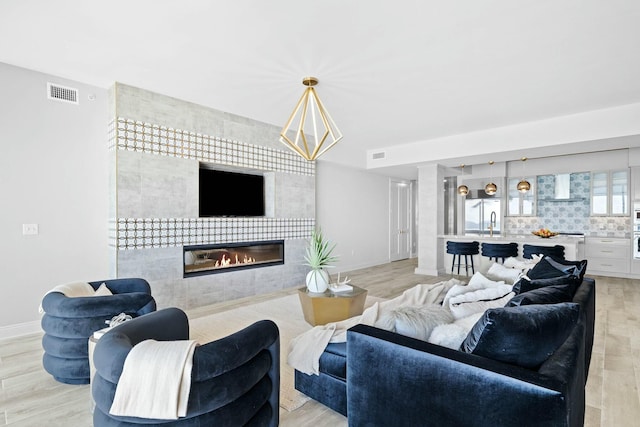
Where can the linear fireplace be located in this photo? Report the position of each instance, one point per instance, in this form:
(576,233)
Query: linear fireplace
(210,259)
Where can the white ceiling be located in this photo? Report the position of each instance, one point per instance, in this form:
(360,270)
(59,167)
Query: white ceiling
(390,72)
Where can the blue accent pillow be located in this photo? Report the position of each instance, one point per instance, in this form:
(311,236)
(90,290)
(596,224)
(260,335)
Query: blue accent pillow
(524,336)
(525,285)
(551,294)
(574,268)
(548,268)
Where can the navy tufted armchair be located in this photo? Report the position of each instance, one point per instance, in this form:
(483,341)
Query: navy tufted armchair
(69,322)
(235,381)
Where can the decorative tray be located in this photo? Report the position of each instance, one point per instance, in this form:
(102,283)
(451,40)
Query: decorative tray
(545,233)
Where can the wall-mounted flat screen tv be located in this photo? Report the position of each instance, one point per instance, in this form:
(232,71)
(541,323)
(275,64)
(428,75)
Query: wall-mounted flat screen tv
(224,193)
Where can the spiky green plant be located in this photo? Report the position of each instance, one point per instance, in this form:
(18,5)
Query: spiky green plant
(319,252)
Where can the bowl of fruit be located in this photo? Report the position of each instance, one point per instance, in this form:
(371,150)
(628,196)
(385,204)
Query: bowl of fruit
(545,233)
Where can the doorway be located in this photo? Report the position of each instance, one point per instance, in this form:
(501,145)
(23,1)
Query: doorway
(400,214)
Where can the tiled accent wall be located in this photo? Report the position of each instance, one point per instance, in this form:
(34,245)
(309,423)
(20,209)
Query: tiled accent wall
(155,145)
(597,226)
(570,216)
(142,233)
(135,135)
(136,233)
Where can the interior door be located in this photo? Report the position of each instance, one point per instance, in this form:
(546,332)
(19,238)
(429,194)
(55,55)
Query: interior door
(400,220)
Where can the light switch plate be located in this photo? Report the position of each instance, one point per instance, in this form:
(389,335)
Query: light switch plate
(29,229)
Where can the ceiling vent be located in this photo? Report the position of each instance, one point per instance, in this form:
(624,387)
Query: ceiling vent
(62,93)
(379,155)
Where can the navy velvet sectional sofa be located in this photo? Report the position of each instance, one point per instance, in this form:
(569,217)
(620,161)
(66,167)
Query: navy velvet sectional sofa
(381,378)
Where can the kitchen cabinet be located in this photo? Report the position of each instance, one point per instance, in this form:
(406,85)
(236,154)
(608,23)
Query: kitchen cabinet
(609,193)
(608,256)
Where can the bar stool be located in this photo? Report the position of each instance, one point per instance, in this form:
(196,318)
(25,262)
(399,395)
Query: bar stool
(499,250)
(457,249)
(556,251)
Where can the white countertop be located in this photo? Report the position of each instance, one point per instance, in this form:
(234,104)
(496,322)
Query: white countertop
(518,238)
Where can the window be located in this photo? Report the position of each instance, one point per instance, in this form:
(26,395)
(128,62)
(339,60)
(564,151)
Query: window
(609,193)
(521,203)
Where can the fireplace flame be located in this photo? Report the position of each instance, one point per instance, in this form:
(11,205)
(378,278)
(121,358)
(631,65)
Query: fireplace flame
(225,262)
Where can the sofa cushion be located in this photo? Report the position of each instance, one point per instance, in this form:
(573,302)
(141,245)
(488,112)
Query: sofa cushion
(551,294)
(333,361)
(525,336)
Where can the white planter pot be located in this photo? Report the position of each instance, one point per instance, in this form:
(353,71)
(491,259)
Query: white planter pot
(317,281)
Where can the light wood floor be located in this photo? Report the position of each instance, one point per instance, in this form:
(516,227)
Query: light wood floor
(30,397)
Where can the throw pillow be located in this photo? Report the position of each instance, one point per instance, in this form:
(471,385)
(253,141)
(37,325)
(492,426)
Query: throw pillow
(525,336)
(451,335)
(477,281)
(102,291)
(414,321)
(525,264)
(549,267)
(479,301)
(506,274)
(575,268)
(551,294)
(525,284)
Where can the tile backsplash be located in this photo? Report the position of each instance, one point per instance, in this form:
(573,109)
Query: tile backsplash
(570,215)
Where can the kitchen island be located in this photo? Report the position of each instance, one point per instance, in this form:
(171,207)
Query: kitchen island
(573,246)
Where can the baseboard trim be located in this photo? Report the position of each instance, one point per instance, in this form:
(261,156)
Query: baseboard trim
(19,329)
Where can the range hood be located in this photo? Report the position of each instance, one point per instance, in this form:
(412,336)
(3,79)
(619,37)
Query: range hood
(562,190)
(562,186)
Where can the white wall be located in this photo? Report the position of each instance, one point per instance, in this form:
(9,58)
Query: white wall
(54,173)
(352,209)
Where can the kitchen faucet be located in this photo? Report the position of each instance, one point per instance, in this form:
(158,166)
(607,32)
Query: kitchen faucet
(492,222)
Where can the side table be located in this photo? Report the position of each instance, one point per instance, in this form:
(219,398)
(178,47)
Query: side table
(323,308)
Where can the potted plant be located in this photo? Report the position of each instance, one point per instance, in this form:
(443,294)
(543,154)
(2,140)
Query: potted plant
(319,256)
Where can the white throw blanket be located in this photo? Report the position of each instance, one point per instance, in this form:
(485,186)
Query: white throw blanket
(306,348)
(72,290)
(155,380)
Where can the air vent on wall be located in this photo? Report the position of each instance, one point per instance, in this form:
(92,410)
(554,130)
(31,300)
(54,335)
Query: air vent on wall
(62,93)
(379,155)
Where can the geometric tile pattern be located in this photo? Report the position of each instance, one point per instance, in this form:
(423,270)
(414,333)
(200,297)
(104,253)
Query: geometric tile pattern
(144,233)
(135,135)
(569,216)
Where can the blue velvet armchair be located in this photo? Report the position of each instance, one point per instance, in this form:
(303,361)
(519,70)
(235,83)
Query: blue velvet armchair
(235,381)
(69,322)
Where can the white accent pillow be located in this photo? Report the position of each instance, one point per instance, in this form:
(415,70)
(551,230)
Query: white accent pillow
(414,321)
(477,281)
(506,274)
(102,291)
(467,308)
(524,265)
(453,334)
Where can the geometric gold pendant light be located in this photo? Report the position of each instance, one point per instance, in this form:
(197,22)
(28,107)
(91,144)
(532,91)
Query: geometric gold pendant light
(314,131)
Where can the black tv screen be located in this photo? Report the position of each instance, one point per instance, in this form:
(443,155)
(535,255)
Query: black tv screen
(225,193)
